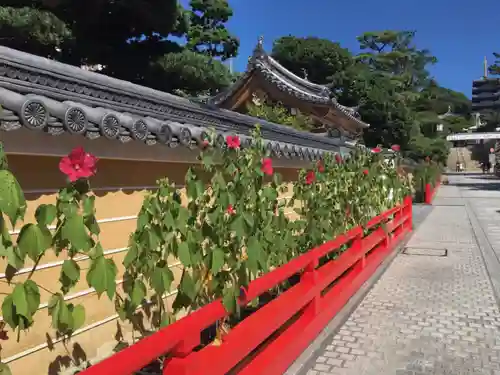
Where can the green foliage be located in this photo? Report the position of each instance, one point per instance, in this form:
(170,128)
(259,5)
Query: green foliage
(344,195)
(319,59)
(76,233)
(421,148)
(426,173)
(125,37)
(195,73)
(231,228)
(280,115)
(495,67)
(207,33)
(390,82)
(36,30)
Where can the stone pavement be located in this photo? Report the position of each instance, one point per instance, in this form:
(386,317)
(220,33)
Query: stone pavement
(430,313)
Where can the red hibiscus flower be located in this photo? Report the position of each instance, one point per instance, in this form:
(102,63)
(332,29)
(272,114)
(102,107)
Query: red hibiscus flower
(376,150)
(396,148)
(310,177)
(233,141)
(338,158)
(78,164)
(321,167)
(365,172)
(267,166)
(205,144)
(230,210)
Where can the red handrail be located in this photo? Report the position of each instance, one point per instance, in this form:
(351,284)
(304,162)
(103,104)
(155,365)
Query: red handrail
(269,340)
(430,191)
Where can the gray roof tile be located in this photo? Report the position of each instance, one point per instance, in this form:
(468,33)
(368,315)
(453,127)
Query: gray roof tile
(49,96)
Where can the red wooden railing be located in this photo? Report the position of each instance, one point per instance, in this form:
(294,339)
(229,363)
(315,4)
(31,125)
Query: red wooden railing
(270,339)
(430,191)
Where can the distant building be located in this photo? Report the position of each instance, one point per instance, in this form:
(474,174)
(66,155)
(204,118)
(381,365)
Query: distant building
(266,82)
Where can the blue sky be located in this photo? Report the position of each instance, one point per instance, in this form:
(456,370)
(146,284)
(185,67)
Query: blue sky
(458,32)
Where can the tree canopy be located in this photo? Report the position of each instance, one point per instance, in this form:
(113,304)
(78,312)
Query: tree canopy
(133,40)
(159,43)
(390,81)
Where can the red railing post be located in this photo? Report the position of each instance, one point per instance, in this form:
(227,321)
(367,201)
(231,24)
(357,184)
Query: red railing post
(310,276)
(178,362)
(428,194)
(398,215)
(357,245)
(408,214)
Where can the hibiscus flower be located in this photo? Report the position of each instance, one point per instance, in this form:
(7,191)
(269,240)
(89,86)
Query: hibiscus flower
(267,166)
(310,177)
(233,141)
(78,164)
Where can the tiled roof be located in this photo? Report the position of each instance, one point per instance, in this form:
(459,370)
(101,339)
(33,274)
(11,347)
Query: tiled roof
(45,95)
(287,82)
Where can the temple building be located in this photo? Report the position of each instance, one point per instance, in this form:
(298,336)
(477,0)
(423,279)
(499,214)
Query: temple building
(266,81)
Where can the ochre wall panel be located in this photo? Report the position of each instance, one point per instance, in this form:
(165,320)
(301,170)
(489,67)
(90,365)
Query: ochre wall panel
(95,342)
(96,309)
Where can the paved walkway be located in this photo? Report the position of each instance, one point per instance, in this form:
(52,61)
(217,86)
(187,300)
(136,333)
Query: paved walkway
(430,314)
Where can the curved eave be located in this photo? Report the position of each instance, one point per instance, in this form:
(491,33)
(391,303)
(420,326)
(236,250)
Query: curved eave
(288,83)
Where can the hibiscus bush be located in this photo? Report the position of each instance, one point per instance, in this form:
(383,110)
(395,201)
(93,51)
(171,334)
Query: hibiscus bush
(230,229)
(426,173)
(337,195)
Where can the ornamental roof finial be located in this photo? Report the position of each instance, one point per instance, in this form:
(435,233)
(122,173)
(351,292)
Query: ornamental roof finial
(260,41)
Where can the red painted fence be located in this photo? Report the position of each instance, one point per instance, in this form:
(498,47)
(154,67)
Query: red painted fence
(269,340)
(430,191)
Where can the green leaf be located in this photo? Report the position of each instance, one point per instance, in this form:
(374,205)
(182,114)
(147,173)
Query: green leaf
(138,292)
(4,369)
(182,219)
(217,260)
(199,188)
(62,318)
(183,254)
(188,286)
(92,224)
(9,312)
(132,254)
(219,180)
(45,214)
(15,257)
(169,220)
(207,160)
(143,219)
(74,231)
(88,205)
(78,317)
(71,270)
(34,240)
(32,296)
(238,226)
(20,301)
(102,276)
(248,219)
(161,279)
(12,201)
(254,250)
(229,299)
